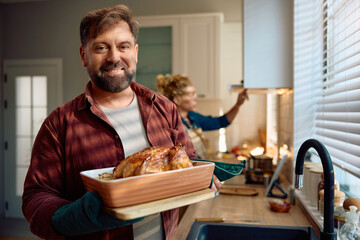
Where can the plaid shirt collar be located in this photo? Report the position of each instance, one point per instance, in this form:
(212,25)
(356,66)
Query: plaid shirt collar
(139,90)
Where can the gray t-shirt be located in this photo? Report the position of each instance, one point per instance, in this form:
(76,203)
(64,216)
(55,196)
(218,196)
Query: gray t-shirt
(129,126)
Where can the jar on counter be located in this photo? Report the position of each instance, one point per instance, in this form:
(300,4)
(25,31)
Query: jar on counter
(351,201)
(315,178)
(306,180)
(321,186)
(339,217)
(339,198)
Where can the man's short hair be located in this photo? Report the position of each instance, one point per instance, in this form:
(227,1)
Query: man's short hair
(99,20)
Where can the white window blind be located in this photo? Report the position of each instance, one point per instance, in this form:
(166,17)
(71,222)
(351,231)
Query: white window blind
(338,108)
(308,57)
(336,99)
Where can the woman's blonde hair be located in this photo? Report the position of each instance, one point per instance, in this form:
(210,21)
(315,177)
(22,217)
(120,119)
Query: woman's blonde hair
(172,86)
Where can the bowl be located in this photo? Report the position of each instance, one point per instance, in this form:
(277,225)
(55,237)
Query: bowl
(279,206)
(151,187)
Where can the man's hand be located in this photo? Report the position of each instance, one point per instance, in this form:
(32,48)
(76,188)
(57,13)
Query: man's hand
(85,216)
(216,184)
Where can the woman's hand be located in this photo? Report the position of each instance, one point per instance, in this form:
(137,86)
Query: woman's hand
(242,97)
(230,115)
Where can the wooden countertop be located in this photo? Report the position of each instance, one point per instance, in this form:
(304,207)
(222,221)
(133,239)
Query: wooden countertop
(234,206)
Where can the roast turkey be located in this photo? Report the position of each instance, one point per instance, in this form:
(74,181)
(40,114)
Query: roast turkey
(153,160)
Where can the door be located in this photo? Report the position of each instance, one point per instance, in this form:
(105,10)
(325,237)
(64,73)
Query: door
(32,88)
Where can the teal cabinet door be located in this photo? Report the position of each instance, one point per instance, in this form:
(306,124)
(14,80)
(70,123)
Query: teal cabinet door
(155,54)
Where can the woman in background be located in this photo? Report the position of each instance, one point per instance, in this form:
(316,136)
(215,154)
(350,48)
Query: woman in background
(182,92)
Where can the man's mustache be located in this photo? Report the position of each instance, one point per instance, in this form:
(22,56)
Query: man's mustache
(108,65)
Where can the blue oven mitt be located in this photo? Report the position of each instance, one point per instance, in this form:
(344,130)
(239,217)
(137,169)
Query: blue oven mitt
(85,216)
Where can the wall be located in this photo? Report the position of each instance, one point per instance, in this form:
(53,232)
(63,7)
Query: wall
(252,114)
(268,44)
(285,130)
(50,29)
(1,114)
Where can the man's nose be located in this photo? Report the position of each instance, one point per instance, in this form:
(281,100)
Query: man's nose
(114,55)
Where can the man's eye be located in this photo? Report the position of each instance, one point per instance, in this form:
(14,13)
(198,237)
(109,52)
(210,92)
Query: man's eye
(124,47)
(100,48)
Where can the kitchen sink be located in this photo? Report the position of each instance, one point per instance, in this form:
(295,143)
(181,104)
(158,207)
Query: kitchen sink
(224,231)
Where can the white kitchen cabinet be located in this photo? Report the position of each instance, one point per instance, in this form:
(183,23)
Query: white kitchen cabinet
(268,44)
(200,43)
(195,47)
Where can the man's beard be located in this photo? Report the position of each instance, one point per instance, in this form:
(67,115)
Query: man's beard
(113,84)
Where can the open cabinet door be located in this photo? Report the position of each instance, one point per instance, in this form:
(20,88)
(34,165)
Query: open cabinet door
(32,89)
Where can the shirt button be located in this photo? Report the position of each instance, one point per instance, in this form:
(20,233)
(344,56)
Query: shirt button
(116,136)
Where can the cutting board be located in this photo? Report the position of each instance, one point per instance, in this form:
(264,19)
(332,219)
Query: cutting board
(238,190)
(145,209)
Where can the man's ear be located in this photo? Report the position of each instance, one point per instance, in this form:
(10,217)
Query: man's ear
(136,50)
(82,55)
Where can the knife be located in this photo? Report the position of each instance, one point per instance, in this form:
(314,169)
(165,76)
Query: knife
(225,219)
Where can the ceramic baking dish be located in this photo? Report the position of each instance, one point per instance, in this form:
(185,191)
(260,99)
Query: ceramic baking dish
(146,188)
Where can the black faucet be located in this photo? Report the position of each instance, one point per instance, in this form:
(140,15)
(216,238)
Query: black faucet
(327,233)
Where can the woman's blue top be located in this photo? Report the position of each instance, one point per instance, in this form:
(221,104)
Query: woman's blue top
(206,123)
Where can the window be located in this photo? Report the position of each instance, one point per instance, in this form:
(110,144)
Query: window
(327,83)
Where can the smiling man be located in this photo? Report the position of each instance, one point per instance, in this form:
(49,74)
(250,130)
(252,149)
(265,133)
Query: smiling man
(110,57)
(112,119)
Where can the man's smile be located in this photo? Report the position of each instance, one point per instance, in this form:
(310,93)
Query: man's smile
(114,70)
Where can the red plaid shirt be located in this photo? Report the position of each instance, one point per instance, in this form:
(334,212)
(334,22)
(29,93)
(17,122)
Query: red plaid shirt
(77,136)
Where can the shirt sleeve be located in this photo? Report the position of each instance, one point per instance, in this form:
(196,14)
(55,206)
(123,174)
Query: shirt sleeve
(41,197)
(208,123)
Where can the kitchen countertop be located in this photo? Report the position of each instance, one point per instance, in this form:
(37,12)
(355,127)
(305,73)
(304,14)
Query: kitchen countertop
(235,206)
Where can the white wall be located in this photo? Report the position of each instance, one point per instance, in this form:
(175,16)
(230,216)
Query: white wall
(252,114)
(268,44)
(48,29)
(286,131)
(1,115)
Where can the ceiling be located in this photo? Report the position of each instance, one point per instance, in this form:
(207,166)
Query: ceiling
(18,1)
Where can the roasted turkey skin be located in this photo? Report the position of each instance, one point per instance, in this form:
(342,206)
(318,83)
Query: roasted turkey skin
(152,160)
(178,158)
